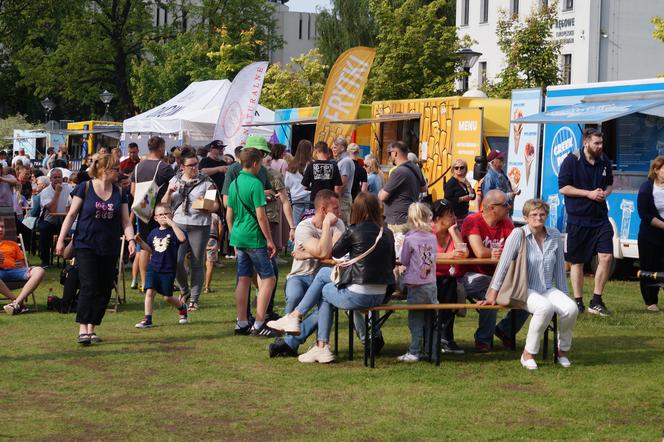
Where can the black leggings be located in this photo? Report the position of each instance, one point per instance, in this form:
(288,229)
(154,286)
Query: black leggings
(96,275)
(651,259)
(447,294)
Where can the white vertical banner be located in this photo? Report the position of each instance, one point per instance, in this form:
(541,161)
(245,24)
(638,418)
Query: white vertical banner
(523,158)
(240,106)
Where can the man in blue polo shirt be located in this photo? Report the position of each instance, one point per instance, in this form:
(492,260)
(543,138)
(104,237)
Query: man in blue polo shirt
(586,180)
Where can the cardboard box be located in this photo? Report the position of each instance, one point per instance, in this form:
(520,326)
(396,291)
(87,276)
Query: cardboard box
(207,202)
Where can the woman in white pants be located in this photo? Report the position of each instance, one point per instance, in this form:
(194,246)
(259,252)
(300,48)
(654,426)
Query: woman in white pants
(547,282)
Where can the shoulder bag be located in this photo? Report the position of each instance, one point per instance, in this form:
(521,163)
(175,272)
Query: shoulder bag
(145,196)
(513,292)
(338,268)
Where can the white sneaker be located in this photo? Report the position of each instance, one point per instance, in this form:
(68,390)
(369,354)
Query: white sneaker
(317,354)
(286,324)
(564,362)
(652,308)
(530,364)
(408,357)
(183,319)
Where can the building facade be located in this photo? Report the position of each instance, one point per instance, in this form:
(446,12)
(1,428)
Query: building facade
(602,40)
(298,29)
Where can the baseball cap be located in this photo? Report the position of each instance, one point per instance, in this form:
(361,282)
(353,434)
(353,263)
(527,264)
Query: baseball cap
(216,144)
(495,154)
(257,142)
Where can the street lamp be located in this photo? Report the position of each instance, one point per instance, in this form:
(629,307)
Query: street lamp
(468,59)
(106,98)
(48,106)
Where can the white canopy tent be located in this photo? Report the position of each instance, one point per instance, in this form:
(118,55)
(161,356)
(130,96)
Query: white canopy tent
(187,118)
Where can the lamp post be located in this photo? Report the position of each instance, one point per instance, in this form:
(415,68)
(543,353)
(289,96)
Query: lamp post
(468,59)
(106,98)
(48,106)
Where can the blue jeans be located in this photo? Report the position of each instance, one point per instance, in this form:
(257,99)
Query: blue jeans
(250,259)
(417,323)
(325,294)
(296,287)
(476,286)
(299,207)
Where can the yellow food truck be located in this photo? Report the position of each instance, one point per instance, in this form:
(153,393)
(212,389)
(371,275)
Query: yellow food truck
(85,137)
(440,130)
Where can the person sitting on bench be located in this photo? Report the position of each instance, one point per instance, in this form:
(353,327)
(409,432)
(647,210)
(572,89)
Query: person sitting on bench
(547,282)
(13,268)
(362,285)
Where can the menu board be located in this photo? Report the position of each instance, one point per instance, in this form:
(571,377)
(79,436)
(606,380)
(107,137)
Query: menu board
(639,139)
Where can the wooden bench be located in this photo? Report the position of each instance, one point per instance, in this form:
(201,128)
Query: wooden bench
(373,322)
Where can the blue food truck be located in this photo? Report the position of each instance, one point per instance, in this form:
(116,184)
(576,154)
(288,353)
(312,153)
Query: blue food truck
(631,116)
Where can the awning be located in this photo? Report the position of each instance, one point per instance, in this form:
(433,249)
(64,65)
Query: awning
(280,123)
(382,119)
(593,112)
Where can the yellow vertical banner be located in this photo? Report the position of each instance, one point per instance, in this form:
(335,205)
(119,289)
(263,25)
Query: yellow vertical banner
(467,139)
(343,93)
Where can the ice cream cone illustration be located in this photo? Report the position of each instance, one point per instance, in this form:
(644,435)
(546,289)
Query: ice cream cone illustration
(518,127)
(529,152)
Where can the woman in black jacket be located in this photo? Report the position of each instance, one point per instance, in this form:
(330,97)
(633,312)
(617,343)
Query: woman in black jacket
(650,203)
(362,285)
(458,191)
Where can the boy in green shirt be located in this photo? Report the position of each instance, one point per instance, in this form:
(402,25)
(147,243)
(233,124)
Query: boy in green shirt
(250,235)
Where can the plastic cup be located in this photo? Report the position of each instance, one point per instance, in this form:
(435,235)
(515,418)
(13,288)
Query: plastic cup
(461,247)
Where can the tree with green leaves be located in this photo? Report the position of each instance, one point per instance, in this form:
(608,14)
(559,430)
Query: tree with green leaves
(659,31)
(300,83)
(531,53)
(342,27)
(93,50)
(416,50)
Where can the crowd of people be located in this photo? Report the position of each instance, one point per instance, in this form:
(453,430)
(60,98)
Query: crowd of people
(180,211)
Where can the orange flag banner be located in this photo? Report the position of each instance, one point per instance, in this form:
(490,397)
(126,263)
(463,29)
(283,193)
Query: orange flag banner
(343,93)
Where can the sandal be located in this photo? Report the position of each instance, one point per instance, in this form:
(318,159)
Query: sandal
(94,338)
(193,306)
(84,339)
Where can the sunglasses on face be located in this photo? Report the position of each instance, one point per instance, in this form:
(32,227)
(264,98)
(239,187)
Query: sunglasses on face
(459,167)
(191,165)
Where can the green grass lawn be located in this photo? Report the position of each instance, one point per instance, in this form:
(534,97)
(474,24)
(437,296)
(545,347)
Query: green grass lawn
(199,381)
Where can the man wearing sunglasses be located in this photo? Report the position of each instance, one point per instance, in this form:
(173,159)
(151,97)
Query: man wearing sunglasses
(485,232)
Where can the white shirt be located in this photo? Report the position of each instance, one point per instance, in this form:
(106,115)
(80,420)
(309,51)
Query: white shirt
(293,182)
(46,196)
(23,159)
(658,196)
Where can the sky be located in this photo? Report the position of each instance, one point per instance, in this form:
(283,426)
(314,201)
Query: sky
(306,5)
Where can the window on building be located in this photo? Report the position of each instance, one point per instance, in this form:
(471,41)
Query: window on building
(484,13)
(515,7)
(481,77)
(568,5)
(465,13)
(544,3)
(567,68)
(165,16)
(157,16)
(300,33)
(308,26)
(184,20)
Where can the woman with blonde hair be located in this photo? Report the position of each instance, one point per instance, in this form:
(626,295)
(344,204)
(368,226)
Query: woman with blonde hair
(103,217)
(374,175)
(546,278)
(458,190)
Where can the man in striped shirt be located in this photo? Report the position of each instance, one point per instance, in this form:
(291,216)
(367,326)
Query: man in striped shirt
(485,232)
